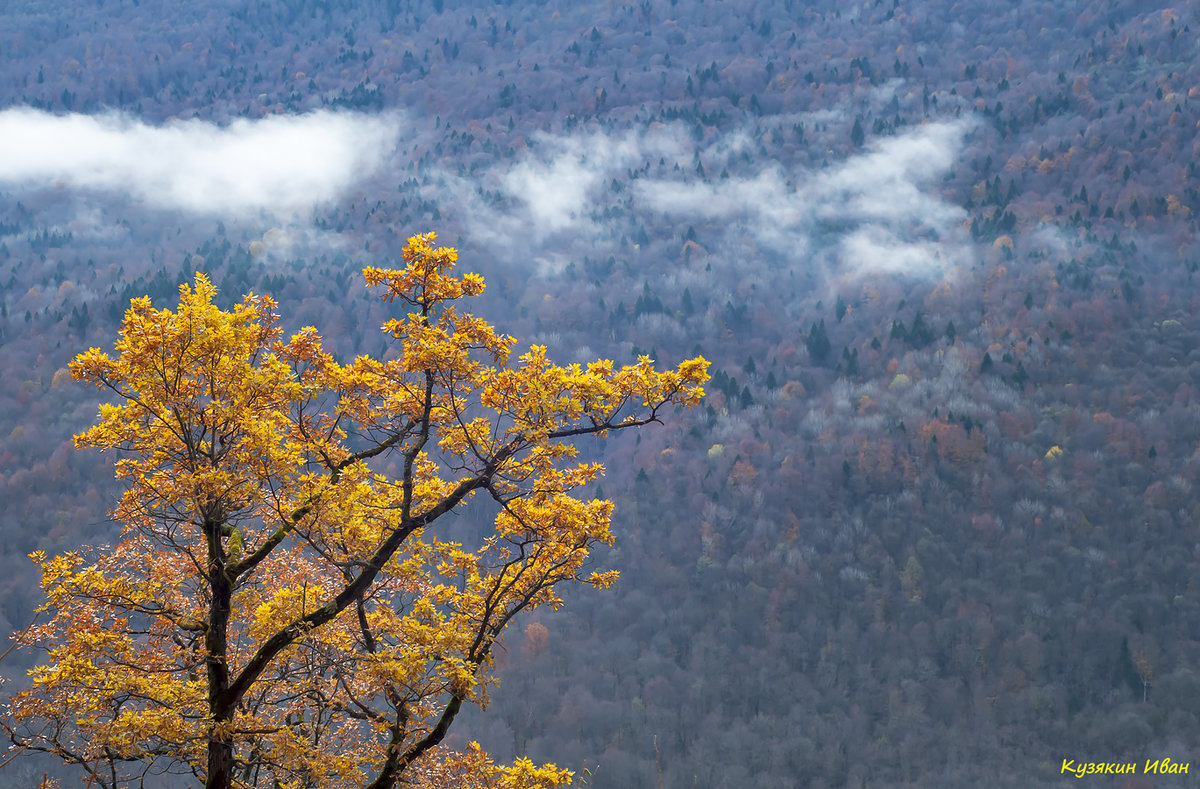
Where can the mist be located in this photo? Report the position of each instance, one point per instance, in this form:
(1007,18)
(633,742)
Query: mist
(877,211)
(282,166)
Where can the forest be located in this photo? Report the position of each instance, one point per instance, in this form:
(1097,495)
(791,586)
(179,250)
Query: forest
(934,523)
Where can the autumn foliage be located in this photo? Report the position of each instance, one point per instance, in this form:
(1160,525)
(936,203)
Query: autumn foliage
(279,611)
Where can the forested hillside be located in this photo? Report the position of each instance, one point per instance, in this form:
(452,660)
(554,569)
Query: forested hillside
(935,524)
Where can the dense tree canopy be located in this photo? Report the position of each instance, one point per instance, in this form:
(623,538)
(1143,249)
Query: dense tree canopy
(280,610)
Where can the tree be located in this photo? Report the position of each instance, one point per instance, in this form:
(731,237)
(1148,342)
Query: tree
(857,135)
(818,343)
(279,610)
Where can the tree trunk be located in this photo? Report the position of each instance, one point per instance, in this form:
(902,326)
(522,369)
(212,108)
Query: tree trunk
(220,764)
(221,704)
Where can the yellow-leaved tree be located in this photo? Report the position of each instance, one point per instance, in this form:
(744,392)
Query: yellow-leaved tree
(279,611)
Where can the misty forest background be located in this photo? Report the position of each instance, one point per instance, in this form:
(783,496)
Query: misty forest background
(937,523)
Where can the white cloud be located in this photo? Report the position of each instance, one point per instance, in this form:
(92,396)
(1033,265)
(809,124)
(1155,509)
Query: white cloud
(558,182)
(876,211)
(555,192)
(281,165)
(890,182)
(876,249)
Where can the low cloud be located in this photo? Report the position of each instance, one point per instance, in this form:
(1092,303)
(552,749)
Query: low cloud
(564,197)
(280,165)
(876,211)
(890,183)
(875,249)
(879,210)
(561,180)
